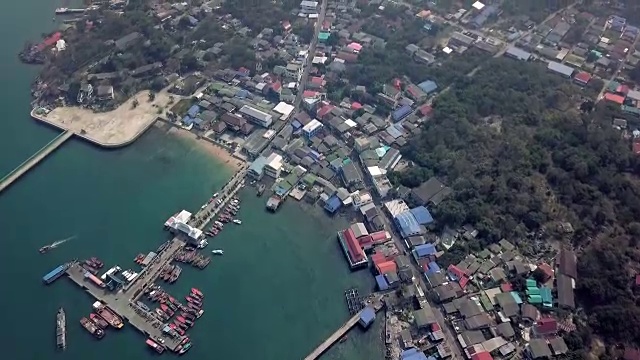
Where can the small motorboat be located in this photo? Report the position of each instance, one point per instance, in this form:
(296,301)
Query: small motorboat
(45,249)
(343,339)
(237,221)
(217,252)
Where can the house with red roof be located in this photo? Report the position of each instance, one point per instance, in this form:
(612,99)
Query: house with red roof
(614,98)
(456,272)
(546,327)
(636,148)
(582,78)
(425,110)
(546,271)
(324,111)
(354,47)
(482,356)
(316,82)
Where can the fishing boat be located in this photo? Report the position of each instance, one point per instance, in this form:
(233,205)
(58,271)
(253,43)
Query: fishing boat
(166,310)
(194,301)
(193,306)
(61,329)
(176,328)
(203,243)
(343,339)
(217,252)
(162,314)
(155,346)
(184,348)
(199,314)
(197,292)
(100,322)
(237,221)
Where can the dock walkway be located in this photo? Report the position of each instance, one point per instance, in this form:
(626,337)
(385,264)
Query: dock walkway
(34,159)
(342,331)
(204,216)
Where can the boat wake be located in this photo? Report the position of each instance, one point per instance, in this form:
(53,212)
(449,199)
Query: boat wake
(60,242)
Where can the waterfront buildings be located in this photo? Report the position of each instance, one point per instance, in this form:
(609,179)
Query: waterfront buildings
(273,165)
(256,169)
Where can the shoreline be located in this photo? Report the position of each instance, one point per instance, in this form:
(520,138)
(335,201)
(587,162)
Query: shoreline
(217,152)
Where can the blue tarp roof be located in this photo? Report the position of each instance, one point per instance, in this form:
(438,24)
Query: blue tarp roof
(433,267)
(422,215)
(382,283)
(193,110)
(368,315)
(407,224)
(187,120)
(296,124)
(412,354)
(425,250)
(428,86)
(333,204)
(401,113)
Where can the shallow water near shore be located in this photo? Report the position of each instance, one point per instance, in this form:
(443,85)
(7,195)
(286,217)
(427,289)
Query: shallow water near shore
(275,294)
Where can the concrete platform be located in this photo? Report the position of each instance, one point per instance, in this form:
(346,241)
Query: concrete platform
(112,129)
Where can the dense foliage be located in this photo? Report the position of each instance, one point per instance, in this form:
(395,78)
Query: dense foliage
(522,159)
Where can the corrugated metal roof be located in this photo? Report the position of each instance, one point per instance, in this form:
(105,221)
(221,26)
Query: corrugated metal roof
(560,68)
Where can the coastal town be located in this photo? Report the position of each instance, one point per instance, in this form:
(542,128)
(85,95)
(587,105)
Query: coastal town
(326,105)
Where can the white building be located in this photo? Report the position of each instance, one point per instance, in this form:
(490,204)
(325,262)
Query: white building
(178,224)
(312,128)
(308,7)
(273,166)
(256,116)
(360,199)
(284,110)
(294,71)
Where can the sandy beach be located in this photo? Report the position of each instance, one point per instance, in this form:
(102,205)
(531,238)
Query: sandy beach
(216,151)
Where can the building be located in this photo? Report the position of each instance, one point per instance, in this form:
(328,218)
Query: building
(582,78)
(312,128)
(401,113)
(367,316)
(351,176)
(273,166)
(256,116)
(85,93)
(460,39)
(256,169)
(561,69)
(432,191)
(308,7)
(517,53)
(105,93)
(352,250)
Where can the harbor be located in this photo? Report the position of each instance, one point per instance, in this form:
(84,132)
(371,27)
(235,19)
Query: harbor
(123,296)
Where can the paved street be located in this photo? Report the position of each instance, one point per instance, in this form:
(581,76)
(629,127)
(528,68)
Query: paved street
(312,50)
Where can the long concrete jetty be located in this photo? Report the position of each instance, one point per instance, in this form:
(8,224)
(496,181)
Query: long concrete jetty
(34,160)
(342,331)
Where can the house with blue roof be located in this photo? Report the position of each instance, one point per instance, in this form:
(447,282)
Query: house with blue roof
(425,250)
(413,354)
(422,215)
(367,316)
(401,113)
(408,225)
(382,283)
(428,86)
(333,204)
(193,111)
(187,120)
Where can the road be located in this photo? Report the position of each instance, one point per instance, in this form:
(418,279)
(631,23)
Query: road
(312,51)
(617,72)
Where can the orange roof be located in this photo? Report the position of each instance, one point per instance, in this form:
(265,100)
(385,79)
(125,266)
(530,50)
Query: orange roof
(618,99)
(387,267)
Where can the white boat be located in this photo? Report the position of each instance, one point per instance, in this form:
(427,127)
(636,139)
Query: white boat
(203,243)
(126,273)
(217,252)
(237,221)
(215,195)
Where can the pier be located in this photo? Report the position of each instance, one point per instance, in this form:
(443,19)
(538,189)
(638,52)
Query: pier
(123,301)
(342,331)
(206,215)
(35,159)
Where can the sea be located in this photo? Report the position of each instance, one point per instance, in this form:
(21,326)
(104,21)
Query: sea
(275,294)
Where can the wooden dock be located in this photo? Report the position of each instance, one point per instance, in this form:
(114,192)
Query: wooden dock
(123,301)
(342,331)
(34,160)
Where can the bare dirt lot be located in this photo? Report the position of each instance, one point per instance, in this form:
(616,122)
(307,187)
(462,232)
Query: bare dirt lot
(118,127)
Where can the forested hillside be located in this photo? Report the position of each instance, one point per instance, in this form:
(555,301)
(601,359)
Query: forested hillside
(523,159)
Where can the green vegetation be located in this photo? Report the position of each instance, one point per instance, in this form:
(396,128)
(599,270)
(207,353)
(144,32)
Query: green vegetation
(522,159)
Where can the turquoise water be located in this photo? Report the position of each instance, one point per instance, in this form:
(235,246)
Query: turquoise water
(275,294)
